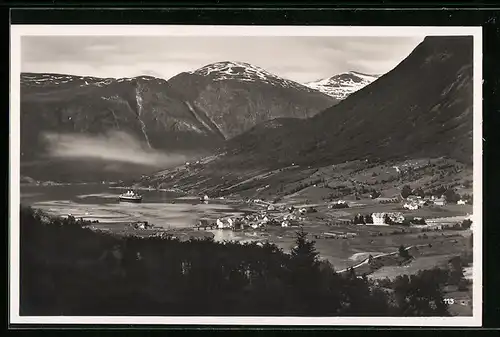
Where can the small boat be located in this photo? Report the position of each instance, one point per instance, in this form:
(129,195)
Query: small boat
(130,196)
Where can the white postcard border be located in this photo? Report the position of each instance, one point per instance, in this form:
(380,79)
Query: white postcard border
(184,30)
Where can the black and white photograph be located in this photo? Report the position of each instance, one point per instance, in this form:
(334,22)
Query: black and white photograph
(246,175)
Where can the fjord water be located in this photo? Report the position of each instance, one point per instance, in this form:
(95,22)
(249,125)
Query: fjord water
(100,202)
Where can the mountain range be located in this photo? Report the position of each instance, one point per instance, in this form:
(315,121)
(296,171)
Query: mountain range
(416,118)
(422,108)
(193,111)
(254,119)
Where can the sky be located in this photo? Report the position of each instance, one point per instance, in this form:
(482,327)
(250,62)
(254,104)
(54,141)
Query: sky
(301,58)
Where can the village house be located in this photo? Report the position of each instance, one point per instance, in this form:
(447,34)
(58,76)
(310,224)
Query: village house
(270,208)
(256,225)
(461,202)
(289,217)
(380,218)
(413,197)
(224,225)
(440,202)
(411,206)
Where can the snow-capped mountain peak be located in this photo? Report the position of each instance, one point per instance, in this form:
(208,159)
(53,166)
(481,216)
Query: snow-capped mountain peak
(342,85)
(244,72)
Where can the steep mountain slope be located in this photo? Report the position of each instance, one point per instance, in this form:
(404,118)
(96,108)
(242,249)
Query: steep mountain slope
(145,108)
(193,112)
(342,85)
(237,96)
(422,108)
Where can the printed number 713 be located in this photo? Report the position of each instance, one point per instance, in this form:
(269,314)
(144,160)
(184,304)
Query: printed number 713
(449,300)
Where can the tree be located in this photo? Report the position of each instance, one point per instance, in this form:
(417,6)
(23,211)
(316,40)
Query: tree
(419,191)
(451,195)
(421,294)
(456,271)
(466,224)
(405,191)
(368,219)
(305,274)
(304,254)
(403,253)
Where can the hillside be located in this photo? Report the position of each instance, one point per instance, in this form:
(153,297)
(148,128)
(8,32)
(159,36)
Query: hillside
(342,85)
(419,115)
(193,113)
(422,108)
(237,96)
(145,107)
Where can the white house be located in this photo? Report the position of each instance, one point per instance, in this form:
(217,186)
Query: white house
(461,202)
(440,202)
(270,208)
(411,206)
(220,224)
(285,224)
(379,219)
(205,197)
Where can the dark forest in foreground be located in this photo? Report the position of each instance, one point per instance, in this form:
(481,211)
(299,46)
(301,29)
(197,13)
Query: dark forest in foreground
(70,270)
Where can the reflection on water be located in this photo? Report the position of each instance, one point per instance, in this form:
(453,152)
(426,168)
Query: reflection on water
(97,202)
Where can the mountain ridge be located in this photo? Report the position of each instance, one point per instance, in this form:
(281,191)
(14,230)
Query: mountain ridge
(189,112)
(386,115)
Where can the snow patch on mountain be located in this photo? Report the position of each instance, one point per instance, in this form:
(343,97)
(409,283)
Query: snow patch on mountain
(245,72)
(342,85)
(52,80)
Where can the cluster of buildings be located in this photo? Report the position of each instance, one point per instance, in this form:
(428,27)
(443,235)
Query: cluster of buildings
(142,225)
(290,218)
(414,202)
(387,218)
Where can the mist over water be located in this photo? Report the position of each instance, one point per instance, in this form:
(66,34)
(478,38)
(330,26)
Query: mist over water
(114,146)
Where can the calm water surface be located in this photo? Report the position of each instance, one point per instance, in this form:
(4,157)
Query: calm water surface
(100,202)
